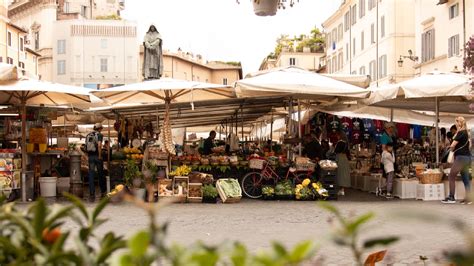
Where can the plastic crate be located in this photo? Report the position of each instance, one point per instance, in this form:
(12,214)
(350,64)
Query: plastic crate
(460,193)
(430,192)
(405,189)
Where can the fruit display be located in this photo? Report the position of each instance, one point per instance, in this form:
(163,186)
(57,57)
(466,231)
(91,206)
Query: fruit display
(133,153)
(284,189)
(183,170)
(195,190)
(165,187)
(117,193)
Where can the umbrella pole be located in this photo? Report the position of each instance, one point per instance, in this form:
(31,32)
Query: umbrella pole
(23,151)
(242,114)
(271,133)
(108,149)
(300,152)
(437,129)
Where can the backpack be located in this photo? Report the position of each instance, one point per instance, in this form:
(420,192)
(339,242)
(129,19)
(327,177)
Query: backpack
(92,141)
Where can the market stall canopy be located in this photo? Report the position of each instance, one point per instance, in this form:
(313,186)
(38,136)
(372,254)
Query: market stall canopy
(423,118)
(454,91)
(297,83)
(18,89)
(160,90)
(362,81)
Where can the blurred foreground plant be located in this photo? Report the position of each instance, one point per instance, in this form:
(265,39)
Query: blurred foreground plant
(348,233)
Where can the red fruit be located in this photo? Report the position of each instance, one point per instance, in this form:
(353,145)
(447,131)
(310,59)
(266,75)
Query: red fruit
(50,236)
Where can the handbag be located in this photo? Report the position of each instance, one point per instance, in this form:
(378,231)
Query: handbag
(451,153)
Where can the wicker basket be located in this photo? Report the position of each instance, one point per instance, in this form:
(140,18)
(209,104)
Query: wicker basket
(431,178)
(256,164)
(307,167)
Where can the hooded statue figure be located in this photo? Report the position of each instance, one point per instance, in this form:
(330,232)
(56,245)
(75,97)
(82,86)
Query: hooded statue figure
(153,55)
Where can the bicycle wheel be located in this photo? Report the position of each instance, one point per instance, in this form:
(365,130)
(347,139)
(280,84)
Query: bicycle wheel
(252,185)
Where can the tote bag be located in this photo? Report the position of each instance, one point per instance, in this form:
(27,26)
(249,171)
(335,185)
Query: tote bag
(451,153)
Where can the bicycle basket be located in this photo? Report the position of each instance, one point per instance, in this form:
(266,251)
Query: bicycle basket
(307,167)
(256,164)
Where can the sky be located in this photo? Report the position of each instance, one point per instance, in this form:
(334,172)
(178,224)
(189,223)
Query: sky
(222,30)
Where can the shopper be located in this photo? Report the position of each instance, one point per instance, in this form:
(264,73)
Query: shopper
(462,161)
(388,161)
(387,136)
(209,143)
(94,151)
(312,146)
(343,169)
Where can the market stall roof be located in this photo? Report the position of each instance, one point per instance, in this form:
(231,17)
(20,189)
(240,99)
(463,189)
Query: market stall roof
(454,91)
(159,90)
(202,113)
(297,83)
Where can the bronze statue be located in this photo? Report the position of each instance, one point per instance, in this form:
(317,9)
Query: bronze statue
(153,54)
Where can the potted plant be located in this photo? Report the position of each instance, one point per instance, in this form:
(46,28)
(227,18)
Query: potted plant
(134,179)
(150,173)
(209,194)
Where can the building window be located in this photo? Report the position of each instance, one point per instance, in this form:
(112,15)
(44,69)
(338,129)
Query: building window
(61,46)
(334,38)
(347,20)
(1,59)
(334,64)
(428,45)
(83,11)
(340,32)
(372,70)
(10,60)
(371,4)
(354,72)
(340,61)
(21,65)
(362,70)
(292,61)
(224,81)
(9,39)
(37,40)
(347,52)
(362,40)
(382,66)
(453,45)
(66,7)
(372,33)
(22,44)
(328,41)
(361,8)
(104,65)
(329,66)
(382,26)
(353,46)
(454,11)
(103,44)
(61,67)
(353,14)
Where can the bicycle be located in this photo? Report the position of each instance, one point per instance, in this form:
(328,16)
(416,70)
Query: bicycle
(252,182)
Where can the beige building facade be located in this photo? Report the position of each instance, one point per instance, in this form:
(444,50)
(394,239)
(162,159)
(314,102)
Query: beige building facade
(306,59)
(442,29)
(95,53)
(13,49)
(186,66)
(368,36)
(38,18)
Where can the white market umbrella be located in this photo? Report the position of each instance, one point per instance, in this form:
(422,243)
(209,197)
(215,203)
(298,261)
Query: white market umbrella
(22,91)
(165,91)
(435,91)
(297,83)
(162,90)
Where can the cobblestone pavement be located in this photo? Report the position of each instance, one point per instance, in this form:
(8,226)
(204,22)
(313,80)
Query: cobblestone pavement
(257,223)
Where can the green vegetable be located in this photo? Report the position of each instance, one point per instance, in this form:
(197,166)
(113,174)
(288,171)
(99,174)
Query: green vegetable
(209,191)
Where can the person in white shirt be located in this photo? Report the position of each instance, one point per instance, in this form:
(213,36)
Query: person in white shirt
(388,161)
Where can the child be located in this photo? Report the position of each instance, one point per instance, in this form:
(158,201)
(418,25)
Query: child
(388,160)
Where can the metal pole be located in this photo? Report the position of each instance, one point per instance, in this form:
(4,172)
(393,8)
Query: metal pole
(391,114)
(437,129)
(242,114)
(23,151)
(300,151)
(271,133)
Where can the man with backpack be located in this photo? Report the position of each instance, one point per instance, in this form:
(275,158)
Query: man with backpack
(94,151)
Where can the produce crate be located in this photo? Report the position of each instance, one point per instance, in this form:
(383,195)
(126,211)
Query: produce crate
(430,191)
(405,189)
(460,193)
(180,188)
(162,184)
(192,198)
(222,183)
